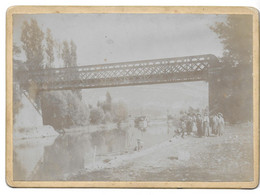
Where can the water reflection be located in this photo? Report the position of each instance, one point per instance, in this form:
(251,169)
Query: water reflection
(72,152)
(56,158)
(27,154)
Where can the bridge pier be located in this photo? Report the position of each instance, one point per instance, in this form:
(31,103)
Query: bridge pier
(214,86)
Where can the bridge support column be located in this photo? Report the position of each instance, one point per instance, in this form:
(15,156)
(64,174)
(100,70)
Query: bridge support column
(214,86)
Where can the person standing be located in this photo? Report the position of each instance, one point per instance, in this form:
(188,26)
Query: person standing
(206,125)
(199,125)
(221,124)
(189,124)
(194,126)
(214,124)
(183,128)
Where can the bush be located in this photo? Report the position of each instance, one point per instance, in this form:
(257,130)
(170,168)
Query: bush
(107,118)
(96,116)
(120,111)
(63,110)
(78,112)
(54,109)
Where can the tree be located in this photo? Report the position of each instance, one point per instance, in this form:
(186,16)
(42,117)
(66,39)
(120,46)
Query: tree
(73,53)
(49,49)
(63,109)
(17,94)
(120,111)
(78,112)
(32,42)
(54,109)
(16,50)
(108,98)
(191,110)
(69,54)
(107,117)
(107,105)
(69,57)
(96,116)
(58,46)
(236,76)
(236,37)
(66,54)
(17,104)
(18,64)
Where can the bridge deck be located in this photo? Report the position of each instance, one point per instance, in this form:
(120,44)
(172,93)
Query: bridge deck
(168,70)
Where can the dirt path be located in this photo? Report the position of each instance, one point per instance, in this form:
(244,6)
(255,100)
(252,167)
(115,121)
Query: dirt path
(225,158)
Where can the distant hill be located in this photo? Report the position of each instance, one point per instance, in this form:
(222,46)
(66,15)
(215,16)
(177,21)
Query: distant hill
(154,99)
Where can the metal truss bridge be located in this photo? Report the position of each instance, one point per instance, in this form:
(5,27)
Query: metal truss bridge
(168,70)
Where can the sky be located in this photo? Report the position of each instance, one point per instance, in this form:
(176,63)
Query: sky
(157,99)
(108,38)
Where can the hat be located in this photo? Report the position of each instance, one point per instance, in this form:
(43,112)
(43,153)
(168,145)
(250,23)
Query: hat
(220,114)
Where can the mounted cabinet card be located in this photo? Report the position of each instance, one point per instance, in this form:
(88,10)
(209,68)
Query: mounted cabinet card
(132,97)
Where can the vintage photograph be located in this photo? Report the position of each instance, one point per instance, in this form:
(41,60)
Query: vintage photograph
(133,97)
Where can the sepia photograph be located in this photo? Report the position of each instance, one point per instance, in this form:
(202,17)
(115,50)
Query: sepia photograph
(134,97)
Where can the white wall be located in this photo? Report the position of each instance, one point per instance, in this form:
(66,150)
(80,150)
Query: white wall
(28,116)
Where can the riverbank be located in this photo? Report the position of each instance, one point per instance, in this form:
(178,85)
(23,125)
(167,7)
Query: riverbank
(34,132)
(225,158)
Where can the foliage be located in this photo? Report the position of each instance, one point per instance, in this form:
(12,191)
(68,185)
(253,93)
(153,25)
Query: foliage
(50,48)
(120,111)
(62,109)
(32,43)
(112,111)
(78,112)
(69,57)
(54,109)
(17,93)
(17,104)
(16,50)
(235,84)
(69,54)
(107,118)
(96,115)
(107,105)
(32,38)
(73,53)
(66,54)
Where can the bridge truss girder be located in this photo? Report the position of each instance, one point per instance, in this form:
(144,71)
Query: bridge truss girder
(168,70)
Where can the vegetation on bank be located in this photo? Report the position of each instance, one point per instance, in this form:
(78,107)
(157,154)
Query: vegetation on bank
(235,84)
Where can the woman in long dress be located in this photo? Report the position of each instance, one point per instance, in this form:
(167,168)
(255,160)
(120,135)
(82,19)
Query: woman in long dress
(221,124)
(199,125)
(206,125)
(215,125)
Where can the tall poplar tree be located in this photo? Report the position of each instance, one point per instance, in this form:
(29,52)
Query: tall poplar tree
(49,49)
(32,43)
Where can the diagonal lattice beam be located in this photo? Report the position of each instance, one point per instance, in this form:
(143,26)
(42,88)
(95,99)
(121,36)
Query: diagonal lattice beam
(125,73)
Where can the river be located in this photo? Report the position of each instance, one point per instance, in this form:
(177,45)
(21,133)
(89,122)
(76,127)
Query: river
(57,157)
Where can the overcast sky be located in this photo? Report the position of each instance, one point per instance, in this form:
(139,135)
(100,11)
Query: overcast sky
(106,38)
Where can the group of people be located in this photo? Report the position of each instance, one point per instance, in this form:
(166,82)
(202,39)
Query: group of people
(201,124)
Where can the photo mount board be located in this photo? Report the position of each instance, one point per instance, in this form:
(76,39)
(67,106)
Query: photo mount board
(128,10)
